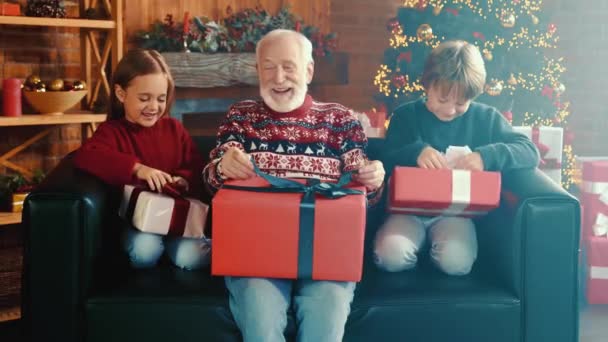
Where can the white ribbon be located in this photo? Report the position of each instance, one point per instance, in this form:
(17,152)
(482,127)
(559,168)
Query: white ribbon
(600,228)
(461,191)
(596,272)
(595,187)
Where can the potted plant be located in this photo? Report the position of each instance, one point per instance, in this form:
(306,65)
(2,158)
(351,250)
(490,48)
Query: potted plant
(15,188)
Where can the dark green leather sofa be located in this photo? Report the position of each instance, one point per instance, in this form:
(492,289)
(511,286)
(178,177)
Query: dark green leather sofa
(523,287)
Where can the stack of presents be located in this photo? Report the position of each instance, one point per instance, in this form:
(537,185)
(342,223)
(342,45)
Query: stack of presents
(594,205)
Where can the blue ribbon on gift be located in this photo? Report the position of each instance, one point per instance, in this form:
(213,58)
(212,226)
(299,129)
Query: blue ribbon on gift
(307,207)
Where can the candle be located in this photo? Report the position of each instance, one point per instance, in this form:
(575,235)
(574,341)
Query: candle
(186,23)
(11,97)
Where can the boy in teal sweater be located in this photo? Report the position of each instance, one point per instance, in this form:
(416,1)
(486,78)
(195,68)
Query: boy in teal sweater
(420,133)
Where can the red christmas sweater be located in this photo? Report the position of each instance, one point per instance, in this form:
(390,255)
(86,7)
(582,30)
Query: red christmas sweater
(317,140)
(111,153)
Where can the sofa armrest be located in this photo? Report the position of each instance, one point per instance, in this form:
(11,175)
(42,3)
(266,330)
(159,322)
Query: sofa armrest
(531,244)
(62,220)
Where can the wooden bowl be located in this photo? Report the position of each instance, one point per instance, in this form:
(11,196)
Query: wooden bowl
(54,102)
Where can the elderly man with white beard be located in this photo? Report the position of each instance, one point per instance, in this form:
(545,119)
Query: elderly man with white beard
(288,134)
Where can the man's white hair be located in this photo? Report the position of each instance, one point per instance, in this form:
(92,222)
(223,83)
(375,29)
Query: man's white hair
(305,44)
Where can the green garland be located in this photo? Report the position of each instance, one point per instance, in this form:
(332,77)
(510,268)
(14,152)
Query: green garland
(238,32)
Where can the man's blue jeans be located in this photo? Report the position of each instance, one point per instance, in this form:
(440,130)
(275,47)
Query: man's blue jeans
(260,305)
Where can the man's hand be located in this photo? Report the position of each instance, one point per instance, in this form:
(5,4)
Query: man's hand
(371,175)
(430,158)
(471,161)
(156,179)
(236,164)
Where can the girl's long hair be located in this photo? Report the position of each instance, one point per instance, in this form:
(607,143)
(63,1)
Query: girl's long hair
(138,62)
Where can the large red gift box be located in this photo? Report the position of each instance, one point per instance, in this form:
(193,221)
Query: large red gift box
(432,192)
(267,234)
(594,198)
(163,214)
(597,271)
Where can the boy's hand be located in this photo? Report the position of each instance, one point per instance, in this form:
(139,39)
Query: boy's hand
(156,179)
(471,161)
(370,174)
(236,164)
(430,158)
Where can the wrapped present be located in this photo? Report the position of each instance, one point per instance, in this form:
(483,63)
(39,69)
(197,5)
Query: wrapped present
(167,213)
(594,197)
(373,123)
(429,192)
(377,119)
(17,201)
(579,161)
(550,142)
(597,270)
(9,9)
(280,228)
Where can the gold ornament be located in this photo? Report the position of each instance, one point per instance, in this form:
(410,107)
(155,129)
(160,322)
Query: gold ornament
(494,88)
(56,85)
(79,85)
(559,88)
(487,55)
(512,80)
(535,19)
(39,87)
(32,80)
(437,9)
(424,32)
(507,19)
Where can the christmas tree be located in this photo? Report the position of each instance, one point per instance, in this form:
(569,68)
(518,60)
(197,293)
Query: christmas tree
(517,42)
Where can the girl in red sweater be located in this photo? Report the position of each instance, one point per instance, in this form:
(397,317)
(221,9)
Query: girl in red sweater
(140,143)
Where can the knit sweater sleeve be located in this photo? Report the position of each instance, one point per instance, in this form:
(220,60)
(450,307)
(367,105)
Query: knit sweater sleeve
(508,149)
(354,155)
(100,156)
(403,143)
(230,134)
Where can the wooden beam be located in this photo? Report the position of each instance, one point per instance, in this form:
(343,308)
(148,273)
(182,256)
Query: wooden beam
(210,70)
(42,120)
(24,145)
(58,22)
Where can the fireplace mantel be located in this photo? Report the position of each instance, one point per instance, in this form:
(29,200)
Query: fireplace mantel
(204,70)
(207,84)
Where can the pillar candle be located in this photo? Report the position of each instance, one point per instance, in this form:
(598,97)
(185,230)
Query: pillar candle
(11,97)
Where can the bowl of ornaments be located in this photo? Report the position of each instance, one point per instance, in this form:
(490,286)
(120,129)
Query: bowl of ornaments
(55,97)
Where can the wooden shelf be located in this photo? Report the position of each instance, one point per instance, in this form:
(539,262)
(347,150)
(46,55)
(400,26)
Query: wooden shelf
(40,119)
(9,218)
(57,22)
(10,314)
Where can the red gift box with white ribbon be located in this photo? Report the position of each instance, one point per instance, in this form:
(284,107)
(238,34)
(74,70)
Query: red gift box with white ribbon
(430,192)
(597,270)
(167,213)
(594,198)
(550,142)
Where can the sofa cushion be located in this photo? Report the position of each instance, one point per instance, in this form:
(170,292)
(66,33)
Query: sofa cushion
(143,302)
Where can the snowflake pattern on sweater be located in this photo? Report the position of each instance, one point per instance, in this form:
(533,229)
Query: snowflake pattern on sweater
(317,140)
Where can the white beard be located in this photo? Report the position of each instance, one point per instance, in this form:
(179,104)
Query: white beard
(285,106)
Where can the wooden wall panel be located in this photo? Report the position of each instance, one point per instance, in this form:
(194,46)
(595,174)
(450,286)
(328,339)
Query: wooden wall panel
(140,14)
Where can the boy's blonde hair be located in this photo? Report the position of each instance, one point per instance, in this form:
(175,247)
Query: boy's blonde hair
(456,63)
